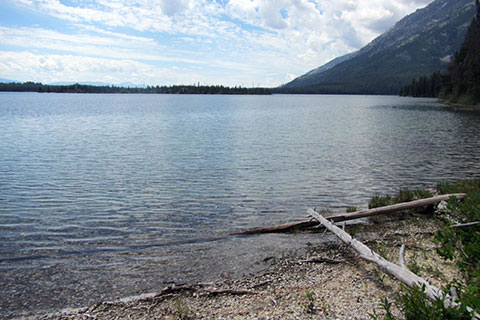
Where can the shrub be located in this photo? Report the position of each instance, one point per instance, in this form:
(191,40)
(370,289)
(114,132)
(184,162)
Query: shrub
(404,195)
(417,306)
(379,201)
(459,244)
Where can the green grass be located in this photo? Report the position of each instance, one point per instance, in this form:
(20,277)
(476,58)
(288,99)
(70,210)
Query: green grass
(309,305)
(404,195)
(352,209)
(181,310)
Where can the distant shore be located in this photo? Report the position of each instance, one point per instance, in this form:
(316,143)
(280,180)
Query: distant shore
(175,89)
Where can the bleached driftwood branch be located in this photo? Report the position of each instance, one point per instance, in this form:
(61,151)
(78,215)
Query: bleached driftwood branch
(401,273)
(465,225)
(402,256)
(395,207)
(354,215)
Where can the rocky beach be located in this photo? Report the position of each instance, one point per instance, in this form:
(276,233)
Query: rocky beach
(329,282)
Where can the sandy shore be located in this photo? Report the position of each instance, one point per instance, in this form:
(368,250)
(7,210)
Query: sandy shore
(337,286)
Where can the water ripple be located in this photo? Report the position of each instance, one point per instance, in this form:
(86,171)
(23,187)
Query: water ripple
(102,187)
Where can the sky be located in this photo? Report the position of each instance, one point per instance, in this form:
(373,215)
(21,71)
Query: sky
(164,42)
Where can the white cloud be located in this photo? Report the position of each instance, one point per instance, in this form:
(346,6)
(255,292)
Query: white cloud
(171,8)
(109,45)
(51,68)
(265,41)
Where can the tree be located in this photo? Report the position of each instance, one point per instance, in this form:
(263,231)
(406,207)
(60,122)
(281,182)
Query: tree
(461,82)
(463,77)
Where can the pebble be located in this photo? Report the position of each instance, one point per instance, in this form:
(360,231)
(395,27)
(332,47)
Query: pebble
(342,291)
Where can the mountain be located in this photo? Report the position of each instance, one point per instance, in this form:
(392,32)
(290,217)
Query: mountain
(98,84)
(462,81)
(131,85)
(87,83)
(325,67)
(6,80)
(421,43)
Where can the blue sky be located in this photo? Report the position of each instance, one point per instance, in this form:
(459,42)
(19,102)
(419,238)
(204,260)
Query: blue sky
(164,42)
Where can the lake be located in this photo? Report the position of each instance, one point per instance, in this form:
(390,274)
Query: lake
(108,196)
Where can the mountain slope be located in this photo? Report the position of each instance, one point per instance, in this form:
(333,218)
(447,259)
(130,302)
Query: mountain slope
(462,81)
(2,80)
(419,44)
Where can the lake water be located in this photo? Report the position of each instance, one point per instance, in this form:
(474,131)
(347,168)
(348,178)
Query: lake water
(107,196)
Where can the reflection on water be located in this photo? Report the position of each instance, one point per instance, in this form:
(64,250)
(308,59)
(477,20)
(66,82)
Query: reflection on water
(105,196)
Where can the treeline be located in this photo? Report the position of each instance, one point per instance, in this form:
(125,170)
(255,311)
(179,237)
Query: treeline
(426,86)
(461,82)
(176,89)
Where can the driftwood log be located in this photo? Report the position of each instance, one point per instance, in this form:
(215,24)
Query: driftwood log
(465,225)
(304,224)
(400,272)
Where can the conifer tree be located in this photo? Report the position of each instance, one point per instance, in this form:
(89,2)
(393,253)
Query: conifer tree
(462,82)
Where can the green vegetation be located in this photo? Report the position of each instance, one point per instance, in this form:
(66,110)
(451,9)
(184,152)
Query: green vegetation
(461,83)
(181,310)
(79,88)
(461,245)
(386,314)
(309,305)
(416,305)
(425,86)
(380,201)
(404,195)
(352,209)
(414,266)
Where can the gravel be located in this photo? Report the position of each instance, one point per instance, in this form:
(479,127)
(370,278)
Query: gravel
(342,286)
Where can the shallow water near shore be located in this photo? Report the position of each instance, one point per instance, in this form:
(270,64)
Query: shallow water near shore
(108,196)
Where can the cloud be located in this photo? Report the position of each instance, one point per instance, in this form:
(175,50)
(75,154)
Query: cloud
(51,68)
(179,16)
(104,44)
(265,41)
(171,8)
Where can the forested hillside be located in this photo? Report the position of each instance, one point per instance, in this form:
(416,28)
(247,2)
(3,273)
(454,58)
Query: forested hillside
(419,44)
(461,82)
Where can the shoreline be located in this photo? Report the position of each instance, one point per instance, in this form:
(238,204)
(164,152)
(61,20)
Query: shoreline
(458,106)
(339,285)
